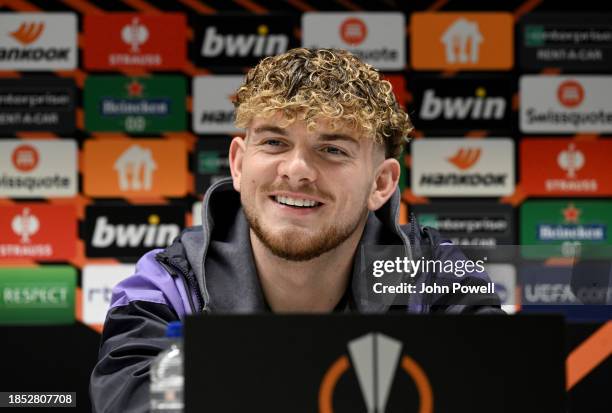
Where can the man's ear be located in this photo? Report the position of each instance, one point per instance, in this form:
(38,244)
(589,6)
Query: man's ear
(236,155)
(383,187)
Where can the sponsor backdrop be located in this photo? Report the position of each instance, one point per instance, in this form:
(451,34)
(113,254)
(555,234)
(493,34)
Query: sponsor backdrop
(116,116)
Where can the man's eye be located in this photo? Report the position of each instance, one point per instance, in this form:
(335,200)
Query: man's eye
(332,150)
(273,142)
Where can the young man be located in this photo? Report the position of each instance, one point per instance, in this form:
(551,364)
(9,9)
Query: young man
(314,180)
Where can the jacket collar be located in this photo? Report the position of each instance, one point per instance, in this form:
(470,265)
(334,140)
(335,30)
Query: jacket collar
(222,259)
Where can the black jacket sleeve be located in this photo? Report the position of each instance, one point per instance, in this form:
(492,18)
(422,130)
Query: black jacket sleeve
(133,336)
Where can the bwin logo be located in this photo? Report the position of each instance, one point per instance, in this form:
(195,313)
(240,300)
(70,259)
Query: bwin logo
(243,45)
(478,107)
(148,235)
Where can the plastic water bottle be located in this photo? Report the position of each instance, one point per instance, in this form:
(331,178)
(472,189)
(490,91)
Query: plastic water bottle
(167,374)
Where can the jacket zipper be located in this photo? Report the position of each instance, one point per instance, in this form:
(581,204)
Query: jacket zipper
(192,283)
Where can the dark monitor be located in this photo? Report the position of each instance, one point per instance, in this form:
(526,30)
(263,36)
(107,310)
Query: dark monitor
(374,363)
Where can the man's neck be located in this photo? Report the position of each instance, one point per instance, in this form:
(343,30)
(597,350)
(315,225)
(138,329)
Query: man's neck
(316,285)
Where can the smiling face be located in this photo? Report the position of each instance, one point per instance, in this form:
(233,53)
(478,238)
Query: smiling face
(305,192)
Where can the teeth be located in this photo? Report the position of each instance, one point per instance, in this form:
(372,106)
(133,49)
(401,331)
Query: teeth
(295,202)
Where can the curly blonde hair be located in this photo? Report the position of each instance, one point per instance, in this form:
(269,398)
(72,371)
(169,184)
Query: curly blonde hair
(324,82)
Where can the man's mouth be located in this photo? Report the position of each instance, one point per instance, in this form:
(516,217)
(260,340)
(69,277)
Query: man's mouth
(295,202)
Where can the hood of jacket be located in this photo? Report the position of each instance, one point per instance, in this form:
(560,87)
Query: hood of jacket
(219,257)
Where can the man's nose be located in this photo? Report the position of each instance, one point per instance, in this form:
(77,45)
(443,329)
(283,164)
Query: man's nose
(298,167)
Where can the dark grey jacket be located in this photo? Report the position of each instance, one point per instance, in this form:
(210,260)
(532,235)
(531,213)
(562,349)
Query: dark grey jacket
(210,269)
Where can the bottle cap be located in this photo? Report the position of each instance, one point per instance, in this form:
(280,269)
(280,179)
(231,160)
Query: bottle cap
(174,329)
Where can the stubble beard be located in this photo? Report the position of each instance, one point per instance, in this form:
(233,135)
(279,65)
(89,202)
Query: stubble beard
(296,244)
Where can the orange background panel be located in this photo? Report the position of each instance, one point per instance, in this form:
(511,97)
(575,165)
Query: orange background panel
(100,179)
(496,51)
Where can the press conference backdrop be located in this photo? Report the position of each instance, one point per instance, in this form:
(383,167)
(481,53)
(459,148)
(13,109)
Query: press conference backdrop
(115,116)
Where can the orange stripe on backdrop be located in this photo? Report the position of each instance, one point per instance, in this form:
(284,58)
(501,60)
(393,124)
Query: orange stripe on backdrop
(252,6)
(437,5)
(153,200)
(586,137)
(78,311)
(589,354)
(83,6)
(36,135)
(189,138)
(525,8)
(79,201)
(77,74)
(301,5)
(516,198)
(142,6)
(21,5)
(9,74)
(349,5)
(198,6)
(410,198)
(477,134)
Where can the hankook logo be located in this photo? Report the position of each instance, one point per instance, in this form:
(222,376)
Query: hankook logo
(28,32)
(375,357)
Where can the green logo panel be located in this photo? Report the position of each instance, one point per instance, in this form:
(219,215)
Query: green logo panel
(41,295)
(136,105)
(563,226)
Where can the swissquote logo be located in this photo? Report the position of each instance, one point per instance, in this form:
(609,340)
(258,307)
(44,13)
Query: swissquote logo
(222,42)
(38,41)
(130,232)
(97,283)
(135,40)
(37,231)
(565,166)
(460,167)
(375,358)
(213,111)
(139,167)
(567,104)
(375,37)
(38,168)
(449,40)
(353,31)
